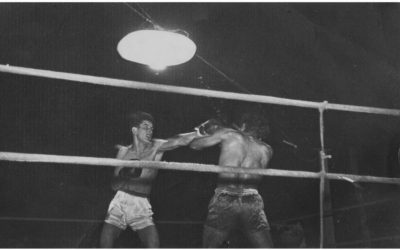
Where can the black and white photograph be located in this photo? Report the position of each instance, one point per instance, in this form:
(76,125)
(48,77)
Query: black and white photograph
(199,124)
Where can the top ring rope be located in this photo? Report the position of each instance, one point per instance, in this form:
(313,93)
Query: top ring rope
(197,167)
(192,91)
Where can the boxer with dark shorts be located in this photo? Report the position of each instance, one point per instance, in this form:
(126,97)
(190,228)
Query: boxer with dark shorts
(236,203)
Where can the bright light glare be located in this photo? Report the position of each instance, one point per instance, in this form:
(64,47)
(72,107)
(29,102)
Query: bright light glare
(156,48)
(158,67)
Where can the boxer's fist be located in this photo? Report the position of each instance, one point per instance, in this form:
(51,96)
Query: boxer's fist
(130,172)
(209,127)
(116,183)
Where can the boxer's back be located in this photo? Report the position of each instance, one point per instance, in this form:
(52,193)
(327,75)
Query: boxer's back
(241,150)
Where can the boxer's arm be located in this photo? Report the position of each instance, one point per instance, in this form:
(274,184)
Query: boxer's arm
(128,183)
(207,128)
(127,179)
(268,152)
(208,141)
(121,179)
(177,141)
(122,150)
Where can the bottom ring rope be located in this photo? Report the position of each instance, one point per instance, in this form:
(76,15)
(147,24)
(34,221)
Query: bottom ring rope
(197,167)
(279,222)
(58,220)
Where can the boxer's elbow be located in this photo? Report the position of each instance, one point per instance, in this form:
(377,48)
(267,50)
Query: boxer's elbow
(195,146)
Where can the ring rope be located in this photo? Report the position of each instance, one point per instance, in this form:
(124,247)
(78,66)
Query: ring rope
(279,222)
(346,243)
(197,167)
(42,219)
(105,81)
(340,210)
(356,242)
(171,222)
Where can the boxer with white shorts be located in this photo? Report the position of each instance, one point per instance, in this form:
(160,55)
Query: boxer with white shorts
(131,206)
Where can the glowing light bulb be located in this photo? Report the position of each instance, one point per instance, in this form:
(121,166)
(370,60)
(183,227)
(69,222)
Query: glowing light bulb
(158,67)
(156,48)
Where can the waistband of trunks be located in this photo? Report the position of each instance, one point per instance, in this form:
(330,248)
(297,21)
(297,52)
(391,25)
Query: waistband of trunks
(236,191)
(136,194)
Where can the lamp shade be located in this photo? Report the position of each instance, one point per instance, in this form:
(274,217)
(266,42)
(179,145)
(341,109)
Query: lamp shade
(156,48)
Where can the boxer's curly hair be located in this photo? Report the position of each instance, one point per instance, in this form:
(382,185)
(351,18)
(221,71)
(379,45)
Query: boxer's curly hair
(256,124)
(138,117)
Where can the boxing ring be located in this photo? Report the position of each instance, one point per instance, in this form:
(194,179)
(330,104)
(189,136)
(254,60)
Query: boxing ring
(323,175)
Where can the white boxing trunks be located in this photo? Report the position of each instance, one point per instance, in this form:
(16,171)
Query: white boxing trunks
(127,209)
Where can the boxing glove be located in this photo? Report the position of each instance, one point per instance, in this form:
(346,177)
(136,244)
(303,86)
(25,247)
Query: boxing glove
(209,127)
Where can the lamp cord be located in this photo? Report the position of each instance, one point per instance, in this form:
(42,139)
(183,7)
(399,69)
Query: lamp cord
(145,16)
(144,11)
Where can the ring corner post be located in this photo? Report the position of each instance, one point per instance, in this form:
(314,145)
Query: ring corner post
(327,228)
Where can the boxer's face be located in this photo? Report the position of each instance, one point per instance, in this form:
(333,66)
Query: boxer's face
(144,131)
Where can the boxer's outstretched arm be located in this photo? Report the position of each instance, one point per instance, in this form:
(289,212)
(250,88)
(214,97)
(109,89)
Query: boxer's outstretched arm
(208,141)
(178,141)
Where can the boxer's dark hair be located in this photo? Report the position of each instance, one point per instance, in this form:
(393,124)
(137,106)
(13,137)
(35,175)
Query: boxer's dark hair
(138,117)
(256,124)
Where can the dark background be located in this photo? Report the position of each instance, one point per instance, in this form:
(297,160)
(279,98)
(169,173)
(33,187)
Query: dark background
(345,53)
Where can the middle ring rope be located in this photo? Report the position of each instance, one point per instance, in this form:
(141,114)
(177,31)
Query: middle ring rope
(197,167)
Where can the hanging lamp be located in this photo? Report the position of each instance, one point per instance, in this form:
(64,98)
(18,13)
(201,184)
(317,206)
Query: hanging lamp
(156,48)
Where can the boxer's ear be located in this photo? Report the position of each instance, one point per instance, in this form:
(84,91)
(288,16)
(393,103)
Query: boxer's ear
(134,130)
(235,126)
(243,127)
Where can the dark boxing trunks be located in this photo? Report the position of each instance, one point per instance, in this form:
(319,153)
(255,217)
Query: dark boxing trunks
(244,209)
